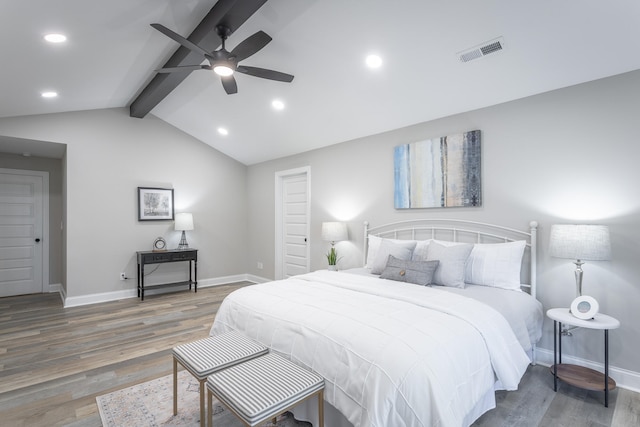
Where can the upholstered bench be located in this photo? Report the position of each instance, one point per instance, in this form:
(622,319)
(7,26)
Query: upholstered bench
(263,388)
(206,356)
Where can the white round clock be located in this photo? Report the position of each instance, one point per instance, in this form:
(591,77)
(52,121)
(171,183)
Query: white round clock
(584,307)
(159,244)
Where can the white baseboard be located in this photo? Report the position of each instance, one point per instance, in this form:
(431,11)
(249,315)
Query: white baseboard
(231,279)
(100,297)
(57,287)
(626,379)
(133,293)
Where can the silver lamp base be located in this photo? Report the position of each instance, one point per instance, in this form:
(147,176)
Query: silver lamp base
(578,274)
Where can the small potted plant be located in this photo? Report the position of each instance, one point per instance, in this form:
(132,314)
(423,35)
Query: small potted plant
(332,259)
(334,232)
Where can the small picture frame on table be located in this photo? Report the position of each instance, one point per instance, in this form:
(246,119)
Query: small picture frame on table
(155,204)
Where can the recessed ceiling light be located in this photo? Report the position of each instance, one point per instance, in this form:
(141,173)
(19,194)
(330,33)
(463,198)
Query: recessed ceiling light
(49,94)
(223,131)
(374,61)
(55,38)
(277,104)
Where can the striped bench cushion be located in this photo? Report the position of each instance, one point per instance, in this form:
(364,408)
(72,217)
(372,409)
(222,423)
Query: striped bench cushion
(211,354)
(263,387)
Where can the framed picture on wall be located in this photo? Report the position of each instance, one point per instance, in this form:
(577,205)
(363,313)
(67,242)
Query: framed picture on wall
(439,173)
(155,204)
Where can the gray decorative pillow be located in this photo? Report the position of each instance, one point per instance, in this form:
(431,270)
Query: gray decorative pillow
(418,272)
(450,271)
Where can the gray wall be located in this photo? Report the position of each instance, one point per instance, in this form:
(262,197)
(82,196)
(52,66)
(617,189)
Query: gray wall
(108,156)
(567,156)
(54,168)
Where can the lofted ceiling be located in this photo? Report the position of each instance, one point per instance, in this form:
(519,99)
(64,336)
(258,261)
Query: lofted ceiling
(112,53)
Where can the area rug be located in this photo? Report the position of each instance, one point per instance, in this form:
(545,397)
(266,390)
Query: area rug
(151,404)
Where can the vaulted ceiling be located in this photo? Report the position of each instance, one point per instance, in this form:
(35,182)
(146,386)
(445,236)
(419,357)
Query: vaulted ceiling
(112,52)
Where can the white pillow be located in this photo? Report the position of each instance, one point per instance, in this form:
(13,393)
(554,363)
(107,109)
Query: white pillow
(420,252)
(374,245)
(450,243)
(496,264)
(450,271)
(400,249)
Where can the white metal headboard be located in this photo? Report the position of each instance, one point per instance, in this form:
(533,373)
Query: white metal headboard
(459,230)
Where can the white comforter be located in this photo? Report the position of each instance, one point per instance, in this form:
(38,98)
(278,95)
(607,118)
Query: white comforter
(392,354)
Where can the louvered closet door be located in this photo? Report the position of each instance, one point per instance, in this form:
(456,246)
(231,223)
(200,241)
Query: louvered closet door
(21,216)
(295,225)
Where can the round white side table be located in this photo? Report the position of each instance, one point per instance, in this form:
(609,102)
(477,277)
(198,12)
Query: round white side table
(580,376)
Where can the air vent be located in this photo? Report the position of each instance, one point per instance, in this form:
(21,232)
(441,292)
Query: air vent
(482,50)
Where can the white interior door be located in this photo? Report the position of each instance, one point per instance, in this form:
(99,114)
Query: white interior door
(292,228)
(21,232)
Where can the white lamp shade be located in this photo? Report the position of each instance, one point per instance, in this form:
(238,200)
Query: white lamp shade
(184,222)
(580,242)
(334,231)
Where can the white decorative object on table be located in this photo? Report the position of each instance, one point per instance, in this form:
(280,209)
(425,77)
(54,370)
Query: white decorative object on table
(584,307)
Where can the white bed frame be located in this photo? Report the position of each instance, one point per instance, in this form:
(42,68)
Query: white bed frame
(459,230)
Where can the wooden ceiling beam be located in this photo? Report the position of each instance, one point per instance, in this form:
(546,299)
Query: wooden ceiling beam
(230,13)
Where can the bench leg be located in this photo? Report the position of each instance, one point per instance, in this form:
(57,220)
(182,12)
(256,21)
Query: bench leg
(175,386)
(202,423)
(209,409)
(321,408)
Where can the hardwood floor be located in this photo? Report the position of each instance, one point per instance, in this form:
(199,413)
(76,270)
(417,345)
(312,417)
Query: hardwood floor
(536,404)
(55,361)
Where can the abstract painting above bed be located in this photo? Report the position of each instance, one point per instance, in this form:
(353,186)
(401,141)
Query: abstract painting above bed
(440,172)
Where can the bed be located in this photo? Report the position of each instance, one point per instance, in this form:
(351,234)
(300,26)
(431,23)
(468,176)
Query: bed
(393,350)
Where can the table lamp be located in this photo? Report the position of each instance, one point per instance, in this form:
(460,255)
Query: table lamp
(581,243)
(184,222)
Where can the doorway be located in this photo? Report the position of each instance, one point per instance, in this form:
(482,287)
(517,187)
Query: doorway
(292,255)
(24,232)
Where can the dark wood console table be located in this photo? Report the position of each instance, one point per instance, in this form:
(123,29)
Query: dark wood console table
(153,257)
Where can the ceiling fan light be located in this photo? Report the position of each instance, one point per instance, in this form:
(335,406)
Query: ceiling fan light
(223,70)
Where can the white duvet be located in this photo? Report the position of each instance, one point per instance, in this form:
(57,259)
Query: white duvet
(392,354)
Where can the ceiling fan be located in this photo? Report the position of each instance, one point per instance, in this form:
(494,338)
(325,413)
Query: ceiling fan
(223,62)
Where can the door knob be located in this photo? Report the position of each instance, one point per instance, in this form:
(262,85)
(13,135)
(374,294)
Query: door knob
(37,240)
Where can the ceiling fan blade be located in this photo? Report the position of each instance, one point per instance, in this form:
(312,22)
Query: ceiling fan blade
(251,45)
(184,68)
(229,84)
(183,41)
(264,73)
